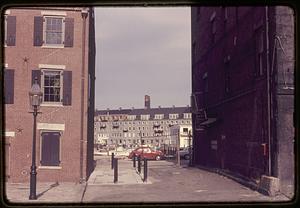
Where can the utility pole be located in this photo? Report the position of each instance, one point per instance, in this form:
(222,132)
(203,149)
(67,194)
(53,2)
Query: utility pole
(178,147)
(190,148)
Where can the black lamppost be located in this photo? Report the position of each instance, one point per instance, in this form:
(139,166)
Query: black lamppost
(35,98)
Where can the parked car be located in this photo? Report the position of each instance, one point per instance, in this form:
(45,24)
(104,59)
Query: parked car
(147,152)
(184,153)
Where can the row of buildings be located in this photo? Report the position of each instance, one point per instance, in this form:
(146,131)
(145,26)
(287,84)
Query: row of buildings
(243,63)
(149,126)
(57,47)
(242,108)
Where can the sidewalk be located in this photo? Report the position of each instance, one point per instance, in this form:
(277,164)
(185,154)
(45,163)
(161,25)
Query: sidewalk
(46,192)
(104,175)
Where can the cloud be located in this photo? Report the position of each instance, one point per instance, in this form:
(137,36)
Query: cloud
(142,50)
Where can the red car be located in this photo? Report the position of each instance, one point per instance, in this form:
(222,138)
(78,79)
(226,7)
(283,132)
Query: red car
(147,152)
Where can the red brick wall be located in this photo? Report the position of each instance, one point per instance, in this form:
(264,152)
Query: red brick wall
(17,116)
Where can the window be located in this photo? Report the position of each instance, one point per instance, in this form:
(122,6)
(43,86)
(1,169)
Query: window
(158,116)
(132,117)
(52,85)
(187,115)
(53,31)
(173,116)
(50,148)
(10,30)
(56,85)
(9,86)
(145,117)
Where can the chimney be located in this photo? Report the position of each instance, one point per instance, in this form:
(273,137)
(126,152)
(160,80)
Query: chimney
(173,106)
(159,107)
(147,102)
(120,108)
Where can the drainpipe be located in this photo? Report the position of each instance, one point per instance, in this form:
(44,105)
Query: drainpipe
(84,14)
(268,94)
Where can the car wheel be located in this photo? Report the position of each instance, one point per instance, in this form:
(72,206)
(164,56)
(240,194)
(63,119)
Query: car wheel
(186,157)
(157,157)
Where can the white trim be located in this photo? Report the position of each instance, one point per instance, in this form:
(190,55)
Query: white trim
(51,126)
(54,104)
(10,134)
(53,13)
(7,12)
(5,65)
(50,66)
(53,46)
(50,167)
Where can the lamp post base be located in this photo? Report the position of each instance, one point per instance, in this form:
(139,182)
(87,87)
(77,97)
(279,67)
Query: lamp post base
(33,173)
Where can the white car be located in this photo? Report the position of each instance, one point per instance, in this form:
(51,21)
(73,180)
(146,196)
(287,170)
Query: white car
(184,153)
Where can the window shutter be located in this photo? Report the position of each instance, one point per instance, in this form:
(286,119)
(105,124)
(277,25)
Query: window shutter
(9,86)
(46,152)
(38,31)
(37,74)
(50,148)
(11,31)
(67,88)
(69,32)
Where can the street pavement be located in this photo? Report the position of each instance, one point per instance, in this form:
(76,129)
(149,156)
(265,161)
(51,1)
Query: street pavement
(170,183)
(166,183)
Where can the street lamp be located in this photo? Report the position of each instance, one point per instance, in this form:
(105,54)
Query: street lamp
(35,99)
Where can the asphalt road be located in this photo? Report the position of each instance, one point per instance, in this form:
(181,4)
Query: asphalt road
(168,183)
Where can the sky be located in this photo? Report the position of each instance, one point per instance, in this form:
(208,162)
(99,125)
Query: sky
(142,51)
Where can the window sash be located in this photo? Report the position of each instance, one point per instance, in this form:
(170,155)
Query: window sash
(52,83)
(54,29)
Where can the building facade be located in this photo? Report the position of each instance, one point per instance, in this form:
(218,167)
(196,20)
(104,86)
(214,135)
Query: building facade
(55,46)
(244,123)
(133,127)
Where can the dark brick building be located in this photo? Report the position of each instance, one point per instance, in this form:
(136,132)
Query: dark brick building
(243,91)
(57,46)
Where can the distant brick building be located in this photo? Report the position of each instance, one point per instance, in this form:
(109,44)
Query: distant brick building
(57,46)
(243,90)
(150,126)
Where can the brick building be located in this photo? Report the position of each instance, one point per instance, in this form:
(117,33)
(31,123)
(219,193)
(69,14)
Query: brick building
(244,123)
(57,46)
(150,126)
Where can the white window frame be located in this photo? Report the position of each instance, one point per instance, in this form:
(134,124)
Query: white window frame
(145,117)
(158,116)
(50,103)
(173,116)
(5,30)
(48,45)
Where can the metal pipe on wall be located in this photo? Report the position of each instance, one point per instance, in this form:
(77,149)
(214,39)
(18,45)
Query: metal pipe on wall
(84,14)
(268,94)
